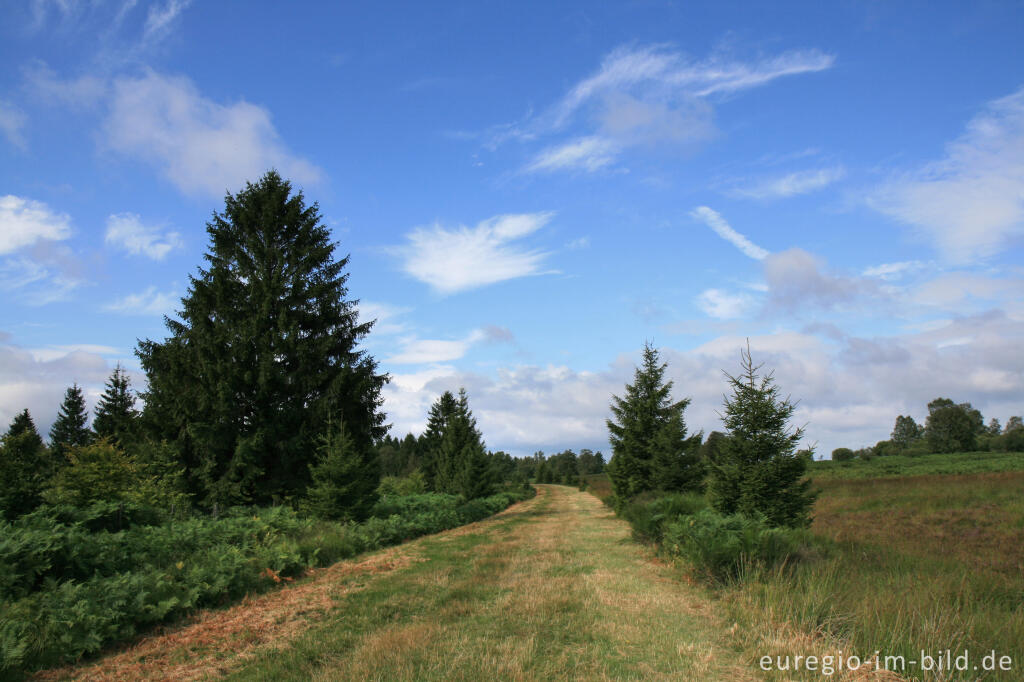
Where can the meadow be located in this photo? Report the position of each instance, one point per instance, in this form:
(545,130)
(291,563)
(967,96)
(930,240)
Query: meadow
(907,554)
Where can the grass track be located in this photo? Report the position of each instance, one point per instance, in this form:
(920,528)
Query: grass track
(552,588)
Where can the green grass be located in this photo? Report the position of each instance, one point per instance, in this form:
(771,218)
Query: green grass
(901,465)
(553,590)
(910,554)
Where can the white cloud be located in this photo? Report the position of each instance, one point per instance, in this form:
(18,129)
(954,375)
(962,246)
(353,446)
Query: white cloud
(80,93)
(433,351)
(649,95)
(524,408)
(384,315)
(658,68)
(971,203)
(148,302)
(37,378)
(23,222)
(893,271)
(12,120)
(161,18)
(587,153)
(126,231)
(792,184)
(203,147)
(716,222)
(452,260)
(797,280)
(724,305)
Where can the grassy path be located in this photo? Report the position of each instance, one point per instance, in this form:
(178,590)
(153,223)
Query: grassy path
(550,589)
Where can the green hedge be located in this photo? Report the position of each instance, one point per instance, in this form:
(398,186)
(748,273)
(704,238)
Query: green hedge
(70,584)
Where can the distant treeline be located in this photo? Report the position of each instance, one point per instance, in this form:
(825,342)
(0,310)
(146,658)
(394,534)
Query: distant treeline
(949,427)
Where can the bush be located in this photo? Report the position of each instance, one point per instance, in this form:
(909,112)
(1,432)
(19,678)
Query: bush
(648,516)
(722,547)
(842,455)
(413,484)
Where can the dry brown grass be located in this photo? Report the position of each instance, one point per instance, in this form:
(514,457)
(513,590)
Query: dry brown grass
(217,641)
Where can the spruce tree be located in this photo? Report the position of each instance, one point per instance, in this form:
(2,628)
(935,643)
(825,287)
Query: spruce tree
(23,423)
(264,354)
(758,471)
(25,467)
(442,412)
(344,479)
(650,448)
(69,430)
(452,450)
(116,416)
(676,463)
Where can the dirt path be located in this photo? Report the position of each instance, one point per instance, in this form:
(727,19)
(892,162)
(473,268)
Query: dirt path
(552,588)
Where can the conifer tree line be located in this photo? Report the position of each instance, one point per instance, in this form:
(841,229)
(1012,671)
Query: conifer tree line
(259,394)
(753,468)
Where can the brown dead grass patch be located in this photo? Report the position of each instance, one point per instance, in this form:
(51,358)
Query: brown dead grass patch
(238,633)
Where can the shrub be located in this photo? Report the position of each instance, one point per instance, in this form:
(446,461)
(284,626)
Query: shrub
(649,516)
(413,484)
(842,455)
(722,547)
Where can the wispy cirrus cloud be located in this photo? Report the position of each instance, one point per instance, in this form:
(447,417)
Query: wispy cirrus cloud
(12,120)
(461,258)
(127,232)
(649,95)
(148,302)
(587,153)
(969,204)
(432,351)
(790,184)
(716,222)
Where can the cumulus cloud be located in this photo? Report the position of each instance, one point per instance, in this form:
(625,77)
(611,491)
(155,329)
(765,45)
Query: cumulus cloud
(716,222)
(456,259)
(24,222)
(200,145)
(970,204)
(126,231)
(37,378)
(791,184)
(524,408)
(148,302)
(649,95)
(797,279)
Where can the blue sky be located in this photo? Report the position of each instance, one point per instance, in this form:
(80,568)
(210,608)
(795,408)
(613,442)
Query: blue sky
(530,191)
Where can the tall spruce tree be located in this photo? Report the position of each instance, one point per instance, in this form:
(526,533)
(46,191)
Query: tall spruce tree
(264,353)
(69,430)
(650,448)
(116,418)
(757,470)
